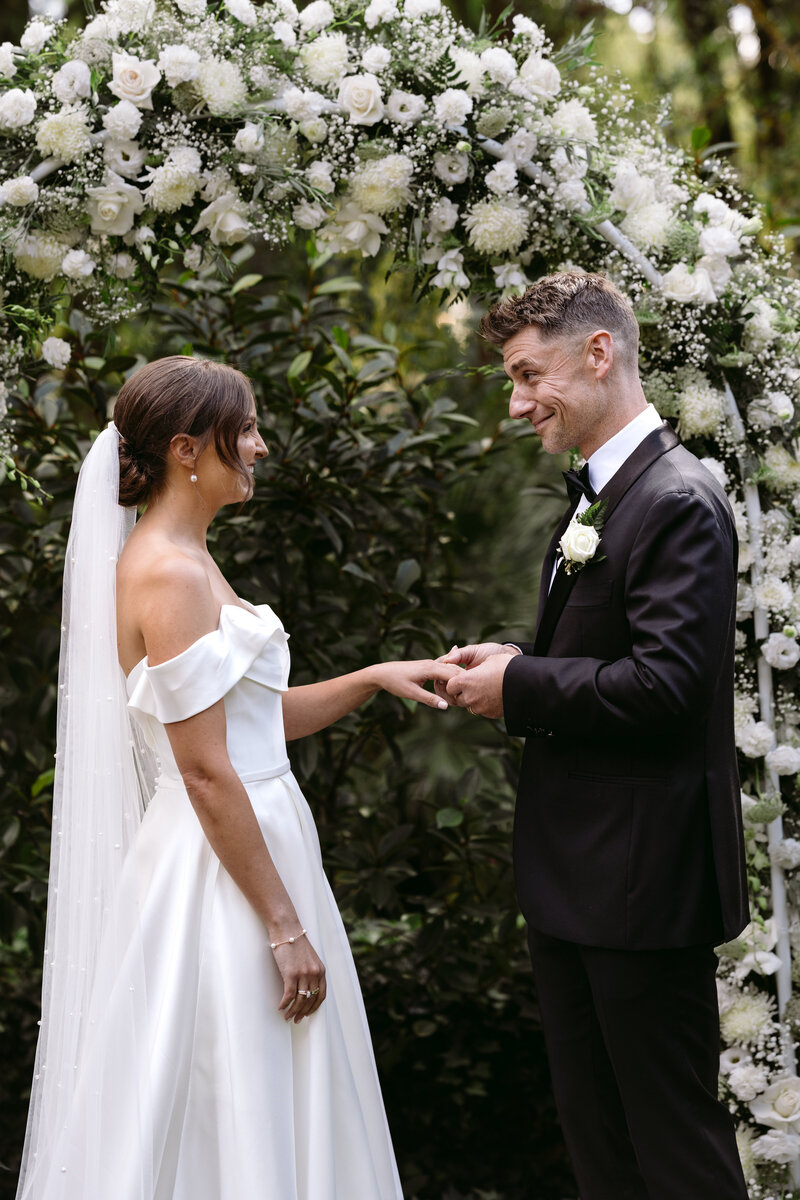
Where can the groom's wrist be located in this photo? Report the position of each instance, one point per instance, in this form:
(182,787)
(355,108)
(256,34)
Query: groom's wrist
(512,646)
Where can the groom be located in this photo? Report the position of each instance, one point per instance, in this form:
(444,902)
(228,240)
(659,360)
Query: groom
(628,846)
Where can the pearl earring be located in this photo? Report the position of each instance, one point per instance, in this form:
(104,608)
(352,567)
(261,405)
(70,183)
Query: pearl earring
(193,477)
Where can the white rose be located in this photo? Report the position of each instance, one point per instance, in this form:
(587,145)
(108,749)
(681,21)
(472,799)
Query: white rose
(123,265)
(308,214)
(7,64)
(520,147)
(361,97)
(179,63)
(17,108)
(579,542)
(719,242)
(316,16)
(302,105)
(379,12)
(442,216)
(682,285)
(243,11)
(499,65)
(124,157)
(502,178)
(19,191)
(319,175)
(325,59)
(133,79)
(451,167)
(283,32)
(249,139)
(353,230)
(784,760)
(36,36)
(72,82)
(375,59)
(404,108)
(225,219)
(113,206)
(77,264)
(315,130)
(779,1107)
(540,77)
(452,106)
(123,120)
(56,352)
(414,9)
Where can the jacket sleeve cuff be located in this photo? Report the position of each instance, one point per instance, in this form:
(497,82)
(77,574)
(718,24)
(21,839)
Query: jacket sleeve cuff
(517,696)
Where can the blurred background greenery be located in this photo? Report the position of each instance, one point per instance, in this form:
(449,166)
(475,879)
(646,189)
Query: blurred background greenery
(399,511)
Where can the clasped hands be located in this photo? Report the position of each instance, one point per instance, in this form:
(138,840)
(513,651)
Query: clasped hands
(468,677)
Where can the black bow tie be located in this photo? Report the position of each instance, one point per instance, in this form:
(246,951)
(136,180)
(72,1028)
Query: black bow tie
(578,485)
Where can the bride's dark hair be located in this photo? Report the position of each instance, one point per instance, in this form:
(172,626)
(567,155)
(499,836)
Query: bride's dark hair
(173,395)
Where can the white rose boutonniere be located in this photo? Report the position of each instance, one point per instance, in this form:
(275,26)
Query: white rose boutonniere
(582,537)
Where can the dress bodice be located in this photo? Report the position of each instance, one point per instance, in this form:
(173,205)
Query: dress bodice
(245,662)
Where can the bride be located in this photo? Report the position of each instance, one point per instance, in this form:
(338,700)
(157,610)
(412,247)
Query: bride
(203,1035)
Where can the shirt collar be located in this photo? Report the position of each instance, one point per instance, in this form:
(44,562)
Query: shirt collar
(608,458)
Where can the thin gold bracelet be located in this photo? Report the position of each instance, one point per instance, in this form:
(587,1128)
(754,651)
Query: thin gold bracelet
(289,941)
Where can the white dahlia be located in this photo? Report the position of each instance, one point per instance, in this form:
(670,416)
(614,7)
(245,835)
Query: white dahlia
(648,226)
(382,185)
(497,226)
(221,85)
(701,408)
(748,1018)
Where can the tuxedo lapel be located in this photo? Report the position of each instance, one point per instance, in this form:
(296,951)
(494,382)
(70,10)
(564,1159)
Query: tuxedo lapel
(549,560)
(551,604)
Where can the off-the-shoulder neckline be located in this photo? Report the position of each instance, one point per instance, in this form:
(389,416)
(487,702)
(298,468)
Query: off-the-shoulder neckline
(244,606)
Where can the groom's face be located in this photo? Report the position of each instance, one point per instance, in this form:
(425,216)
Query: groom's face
(555,388)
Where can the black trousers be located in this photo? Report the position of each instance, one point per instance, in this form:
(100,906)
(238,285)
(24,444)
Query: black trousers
(633,1043)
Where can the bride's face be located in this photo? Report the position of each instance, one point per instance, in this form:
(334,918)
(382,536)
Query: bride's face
(226,485)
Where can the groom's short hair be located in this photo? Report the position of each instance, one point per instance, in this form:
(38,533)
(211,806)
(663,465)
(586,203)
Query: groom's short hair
(569,302)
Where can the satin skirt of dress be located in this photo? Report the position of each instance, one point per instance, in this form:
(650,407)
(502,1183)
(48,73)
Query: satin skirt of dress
(191,1084)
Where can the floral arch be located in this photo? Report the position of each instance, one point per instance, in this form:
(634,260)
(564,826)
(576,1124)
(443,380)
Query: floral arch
(174,129)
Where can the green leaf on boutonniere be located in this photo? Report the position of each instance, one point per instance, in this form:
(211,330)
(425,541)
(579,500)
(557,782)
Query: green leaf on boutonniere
(594,515)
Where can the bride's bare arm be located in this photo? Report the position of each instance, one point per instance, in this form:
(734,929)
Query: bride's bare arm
(314,706)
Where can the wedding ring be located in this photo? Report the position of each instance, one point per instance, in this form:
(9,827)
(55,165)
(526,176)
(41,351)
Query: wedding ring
(315,992)
(303,992)
(471,710)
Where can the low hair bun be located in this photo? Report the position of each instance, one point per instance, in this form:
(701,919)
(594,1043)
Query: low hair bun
(136,476)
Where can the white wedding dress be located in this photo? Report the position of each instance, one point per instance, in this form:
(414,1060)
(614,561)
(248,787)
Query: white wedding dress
(190,1084)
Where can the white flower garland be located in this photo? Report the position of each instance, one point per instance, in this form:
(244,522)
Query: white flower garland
(169,130)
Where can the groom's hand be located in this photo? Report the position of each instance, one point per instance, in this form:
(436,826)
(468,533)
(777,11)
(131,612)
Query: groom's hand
(480,688)
(470,657)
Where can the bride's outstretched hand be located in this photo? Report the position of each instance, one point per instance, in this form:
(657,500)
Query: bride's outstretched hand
(406,679)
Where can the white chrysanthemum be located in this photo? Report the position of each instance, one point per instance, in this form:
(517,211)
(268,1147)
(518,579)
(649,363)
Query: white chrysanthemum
(510,279)
(36,36)
(354,230)
(282,31)
(375,59)
(123,265)
(778,1146)
(540,77)
(131,16)
(123,120)
(733,1056)
(243,11)
(747,1081)
(325,59)
(39,255)
(179,63)
(176,182)
(17,108)
(773,594)
(761,327)
(114,206)
(781,652)
(225,219)
(442,216)
(382,185)
(450,271)
(748,1018)
(573,120)
(450,167)
(124,157)
(755,740)
(786,854)
(72,82)
(8,67)
(501,178)
(64,134)
(19,192)
(77,264)
(452,106)
(497,226)
(320,175)
(308,214)
(499,65)
(56,352)
(470,69)
(221,85)
(414,9)
(688,287)
(315,16)
(701,409)
(404,108)
(784,469)
(784,760)
(779,1106)
(379,12)
(134,79)
(648,225)
(718,241)
(715,467)
(520,147)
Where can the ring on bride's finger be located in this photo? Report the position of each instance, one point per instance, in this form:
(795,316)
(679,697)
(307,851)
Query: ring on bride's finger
(315,992)
(303,992)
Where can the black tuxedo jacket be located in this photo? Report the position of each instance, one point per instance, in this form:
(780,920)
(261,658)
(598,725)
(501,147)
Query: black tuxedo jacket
(628,829)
